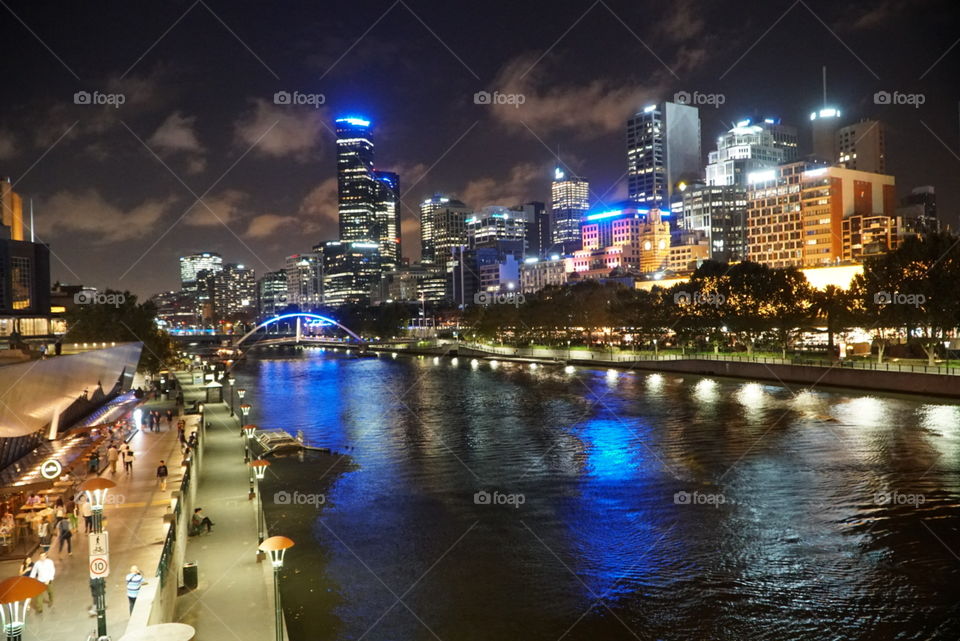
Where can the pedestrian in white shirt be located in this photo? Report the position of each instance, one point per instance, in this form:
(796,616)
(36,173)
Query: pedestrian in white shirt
(44,571)
(86,511)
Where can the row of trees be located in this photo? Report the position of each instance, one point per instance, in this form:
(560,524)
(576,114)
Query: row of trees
(912,292)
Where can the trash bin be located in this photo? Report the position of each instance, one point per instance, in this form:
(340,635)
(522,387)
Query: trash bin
(190,577)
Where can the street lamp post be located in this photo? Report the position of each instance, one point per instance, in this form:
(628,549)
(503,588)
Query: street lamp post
(96,492)
(15,595)
(203,425)
(231,380)
(259,468)
(276,547)
(248,432)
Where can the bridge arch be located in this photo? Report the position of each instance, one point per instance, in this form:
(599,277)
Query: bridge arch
(297,315)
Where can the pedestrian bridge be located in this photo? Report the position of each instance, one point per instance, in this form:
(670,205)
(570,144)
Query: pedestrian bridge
(303,320)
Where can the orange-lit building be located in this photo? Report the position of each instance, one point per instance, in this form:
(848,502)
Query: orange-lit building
(12,209)
(796,212)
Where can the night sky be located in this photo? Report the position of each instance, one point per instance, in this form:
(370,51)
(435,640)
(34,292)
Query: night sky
(115,188)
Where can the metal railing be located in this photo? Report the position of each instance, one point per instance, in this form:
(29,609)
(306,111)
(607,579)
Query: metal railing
(619,356)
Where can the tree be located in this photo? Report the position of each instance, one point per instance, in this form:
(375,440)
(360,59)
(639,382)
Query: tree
(834,306)
(122,320)
(916,288)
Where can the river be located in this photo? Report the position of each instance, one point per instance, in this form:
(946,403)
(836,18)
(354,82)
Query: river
(504,501)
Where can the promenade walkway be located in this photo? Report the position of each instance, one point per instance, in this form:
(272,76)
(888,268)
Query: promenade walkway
(134,519)
(234,598)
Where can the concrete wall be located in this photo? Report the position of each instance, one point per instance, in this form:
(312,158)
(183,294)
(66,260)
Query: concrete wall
(35,392)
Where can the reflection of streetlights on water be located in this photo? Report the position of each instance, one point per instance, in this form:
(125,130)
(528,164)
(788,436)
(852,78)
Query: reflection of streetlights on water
(276,547)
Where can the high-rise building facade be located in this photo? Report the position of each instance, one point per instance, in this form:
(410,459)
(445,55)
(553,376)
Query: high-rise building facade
(720,212)
(350,271)
(358,191)
(538,239)
(193,264)
(824,124)
(499,227)
(862,146)
(745,149)
(797,217)
(234,293)
(12,204)
(663,149)
(919,211)
(272,294)
(569,202)
(388,218)
(304,279)
(442,227)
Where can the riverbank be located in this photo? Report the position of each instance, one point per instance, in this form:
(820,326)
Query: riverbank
(908,379)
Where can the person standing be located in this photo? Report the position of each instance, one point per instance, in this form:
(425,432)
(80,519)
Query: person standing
(134,583)
(43,531)
(26,567)
(113,454)
(162,475)
(127,458)
(44,571)
(65,534)
(87,512)
(169,419)
(72,514)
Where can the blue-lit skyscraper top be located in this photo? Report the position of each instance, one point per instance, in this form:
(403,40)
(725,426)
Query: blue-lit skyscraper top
(357,190)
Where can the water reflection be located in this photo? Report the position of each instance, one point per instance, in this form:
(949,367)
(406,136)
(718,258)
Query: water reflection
(793,543)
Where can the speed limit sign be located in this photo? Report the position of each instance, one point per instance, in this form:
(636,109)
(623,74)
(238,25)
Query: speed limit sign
(99,567)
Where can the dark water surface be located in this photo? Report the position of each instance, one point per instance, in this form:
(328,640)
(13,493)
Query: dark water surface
(653,506)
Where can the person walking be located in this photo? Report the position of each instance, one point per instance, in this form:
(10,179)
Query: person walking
(86,511)
(162,475)
(72,514)
(65,534)
(43,531)
(113,454)
(44,571)
(169,419)
(134,583)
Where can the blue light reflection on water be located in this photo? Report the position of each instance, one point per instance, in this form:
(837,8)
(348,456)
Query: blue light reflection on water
(599,499)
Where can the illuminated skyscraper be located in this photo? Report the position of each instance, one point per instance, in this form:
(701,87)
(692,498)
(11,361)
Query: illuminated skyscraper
(570,200)
(192,265)
(824,124)
(663,149)
(357,187)
(442,227)
(388,218)
(862,146)
(744,149)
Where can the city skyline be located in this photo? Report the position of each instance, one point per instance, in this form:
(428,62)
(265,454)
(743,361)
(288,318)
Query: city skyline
(109,175)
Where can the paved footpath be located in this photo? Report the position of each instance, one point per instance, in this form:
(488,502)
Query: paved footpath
(134,519)
(234,599)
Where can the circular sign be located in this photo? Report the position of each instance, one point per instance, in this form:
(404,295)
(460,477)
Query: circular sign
(51,469)
(99,567)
